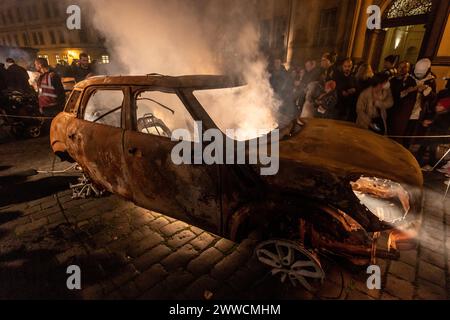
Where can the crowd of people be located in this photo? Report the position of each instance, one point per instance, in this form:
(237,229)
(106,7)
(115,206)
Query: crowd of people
(400,101)
(48,85)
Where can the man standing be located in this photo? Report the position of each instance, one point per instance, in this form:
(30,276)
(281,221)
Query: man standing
(51,90)
(347,93)
(18,78)
(404,92)
(83,69)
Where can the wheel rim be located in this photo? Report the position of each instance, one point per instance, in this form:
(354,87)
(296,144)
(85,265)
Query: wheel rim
(292,262)
(34,132)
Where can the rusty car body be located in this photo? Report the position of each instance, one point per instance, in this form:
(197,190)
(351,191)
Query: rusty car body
(340,191)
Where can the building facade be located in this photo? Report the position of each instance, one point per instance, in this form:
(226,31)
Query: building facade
(41,24)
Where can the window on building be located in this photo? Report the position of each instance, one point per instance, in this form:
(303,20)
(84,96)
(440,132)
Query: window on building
(41,38)
(56,10)
(47,12)
(35,12)
(280,28)
(52,37)
(58,58)
(25,39)
(65,58)
(105,59)
(29,13)
(35,39)
(16,40)
(10,16)
(19,15)
(8,38)
(62,38)
(2,19)
(327,28)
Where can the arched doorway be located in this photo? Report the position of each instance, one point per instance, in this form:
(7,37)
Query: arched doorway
(404,29)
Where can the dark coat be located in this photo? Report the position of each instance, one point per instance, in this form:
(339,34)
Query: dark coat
(399,115)
(346,105)
(17,78)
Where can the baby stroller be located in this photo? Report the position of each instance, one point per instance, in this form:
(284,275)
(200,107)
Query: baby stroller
(20,113)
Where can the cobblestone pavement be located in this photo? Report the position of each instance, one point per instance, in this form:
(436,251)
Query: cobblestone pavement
(126,252)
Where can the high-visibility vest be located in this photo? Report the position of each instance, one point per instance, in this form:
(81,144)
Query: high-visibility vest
(47,92)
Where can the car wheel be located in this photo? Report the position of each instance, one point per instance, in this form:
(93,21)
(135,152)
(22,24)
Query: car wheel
(34,131)
(292,262)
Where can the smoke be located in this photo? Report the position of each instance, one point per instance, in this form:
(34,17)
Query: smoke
(179,37)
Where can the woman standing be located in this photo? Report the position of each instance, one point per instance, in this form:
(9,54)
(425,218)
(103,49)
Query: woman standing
(373,104)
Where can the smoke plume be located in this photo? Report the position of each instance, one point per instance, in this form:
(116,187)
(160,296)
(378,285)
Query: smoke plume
(180,37)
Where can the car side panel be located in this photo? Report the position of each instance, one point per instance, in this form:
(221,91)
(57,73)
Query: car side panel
(98,149)
(186,192)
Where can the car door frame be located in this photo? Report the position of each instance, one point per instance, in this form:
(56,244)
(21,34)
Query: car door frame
(131,125)
(100,178)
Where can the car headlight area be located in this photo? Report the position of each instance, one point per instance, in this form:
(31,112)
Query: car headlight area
(387,200)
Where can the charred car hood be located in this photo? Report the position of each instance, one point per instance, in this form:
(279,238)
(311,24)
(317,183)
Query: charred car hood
(342,150)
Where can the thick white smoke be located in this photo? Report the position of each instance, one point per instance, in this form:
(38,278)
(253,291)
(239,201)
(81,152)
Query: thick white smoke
(179,37)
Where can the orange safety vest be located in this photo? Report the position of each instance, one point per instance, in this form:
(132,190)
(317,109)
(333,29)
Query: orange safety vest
(47,92)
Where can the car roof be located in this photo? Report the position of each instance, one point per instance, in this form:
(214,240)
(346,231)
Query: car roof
(195,82)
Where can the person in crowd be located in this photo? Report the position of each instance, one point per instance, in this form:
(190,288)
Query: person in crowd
(347,91)
(423,109)
(17,77)
(82,69)
(446,92)
(312,74)
(373,104)
(326,103)
(363,76)
(50,88)
(315,87)
(63,69)
(403,88)
(390,65)
(440,126)
(327,64)
(298,89)
(279,78)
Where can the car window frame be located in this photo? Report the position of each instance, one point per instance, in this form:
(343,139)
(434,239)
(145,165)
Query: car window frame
(89,91)
(139,89)
(76,106)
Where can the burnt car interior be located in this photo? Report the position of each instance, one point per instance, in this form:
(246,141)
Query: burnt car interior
(160,113)
(105,107)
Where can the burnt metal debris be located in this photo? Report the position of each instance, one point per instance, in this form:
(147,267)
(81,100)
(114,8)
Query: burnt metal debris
(341,191)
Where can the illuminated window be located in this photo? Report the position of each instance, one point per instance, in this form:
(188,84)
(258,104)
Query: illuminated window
(58,58)
(105,59)
(409,8)
(44,56)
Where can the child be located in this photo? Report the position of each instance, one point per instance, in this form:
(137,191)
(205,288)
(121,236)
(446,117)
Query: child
(326,103)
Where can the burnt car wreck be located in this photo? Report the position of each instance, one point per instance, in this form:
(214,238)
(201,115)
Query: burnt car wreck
(340,191)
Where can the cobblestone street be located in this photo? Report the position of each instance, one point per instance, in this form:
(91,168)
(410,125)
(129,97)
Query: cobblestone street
(126,252)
